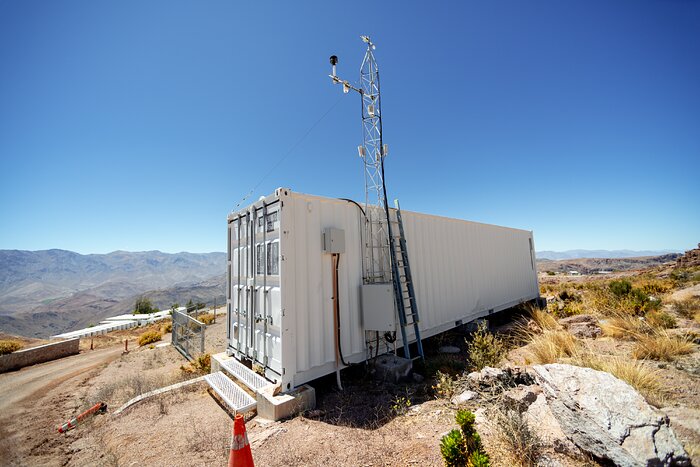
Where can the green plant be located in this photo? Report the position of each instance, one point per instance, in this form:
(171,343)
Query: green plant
(484,349)
(463,447)
(401,405)
(9,346)
(149,337)
(444,385)
(143,306)
(620,287)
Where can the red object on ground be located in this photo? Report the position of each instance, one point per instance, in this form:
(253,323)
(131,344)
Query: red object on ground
(240,456)
(69,425)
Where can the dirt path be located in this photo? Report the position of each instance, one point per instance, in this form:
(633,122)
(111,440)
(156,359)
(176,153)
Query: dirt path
(45,392)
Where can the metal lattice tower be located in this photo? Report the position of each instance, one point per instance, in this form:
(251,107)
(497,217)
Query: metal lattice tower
(377,255)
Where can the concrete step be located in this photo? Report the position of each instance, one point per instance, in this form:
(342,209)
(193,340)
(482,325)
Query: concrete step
(245,375)
(235,397)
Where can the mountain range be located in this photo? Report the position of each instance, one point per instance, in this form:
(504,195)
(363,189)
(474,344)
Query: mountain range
(574,254)
(52,291)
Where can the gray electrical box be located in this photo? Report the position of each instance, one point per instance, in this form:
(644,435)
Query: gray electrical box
(378,307)
(333,240)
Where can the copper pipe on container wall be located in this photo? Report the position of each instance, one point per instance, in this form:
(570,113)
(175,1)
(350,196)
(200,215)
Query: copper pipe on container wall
(335,259)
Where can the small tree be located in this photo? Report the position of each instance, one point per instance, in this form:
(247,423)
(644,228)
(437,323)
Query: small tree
(143,306)
(190,306)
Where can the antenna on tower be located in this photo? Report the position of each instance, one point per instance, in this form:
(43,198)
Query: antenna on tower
(378,254)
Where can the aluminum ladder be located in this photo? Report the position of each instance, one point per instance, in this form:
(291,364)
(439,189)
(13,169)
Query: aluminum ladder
(403,289)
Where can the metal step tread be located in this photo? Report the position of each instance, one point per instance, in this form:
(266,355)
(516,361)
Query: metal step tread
(247,376)
(234,396)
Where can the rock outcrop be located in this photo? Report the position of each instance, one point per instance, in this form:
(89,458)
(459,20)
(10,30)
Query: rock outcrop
(607,418)
(582,326)
(689,259)
(584,412)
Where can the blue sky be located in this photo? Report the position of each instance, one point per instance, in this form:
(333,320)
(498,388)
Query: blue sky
(140,125)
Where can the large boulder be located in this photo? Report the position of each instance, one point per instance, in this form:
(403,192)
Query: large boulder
(602,416)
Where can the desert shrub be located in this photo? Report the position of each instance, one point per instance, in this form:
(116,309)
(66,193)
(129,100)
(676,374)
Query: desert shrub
(203,363)
(206,318)
(567,296)
(571,308)
(484,349)
(9,346)
(463,447)
(620,287)
(662,346)
(523,442)
(655,286)
(444,385)
(551,273)
(550,346)
(687,307)
(683,276)
(639,301)
(167,327)
(661,319)
(149,337)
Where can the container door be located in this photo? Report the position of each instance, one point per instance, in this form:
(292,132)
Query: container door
(266,307)
(239,279)
(256,315)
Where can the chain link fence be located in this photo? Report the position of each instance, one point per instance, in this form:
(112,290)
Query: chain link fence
(188,335)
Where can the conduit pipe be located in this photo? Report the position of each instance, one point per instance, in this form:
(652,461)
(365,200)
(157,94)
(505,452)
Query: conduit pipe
(335,257)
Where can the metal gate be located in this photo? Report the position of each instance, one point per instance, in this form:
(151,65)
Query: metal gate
(188,335)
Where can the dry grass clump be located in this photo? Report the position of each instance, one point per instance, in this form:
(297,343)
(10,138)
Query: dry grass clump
(149,337)
(641,377)
(8,346)
(623,326)
(661,319)
(167,327)
(688,307)
(662,346)
(207,318)
(522,442)
(545,321)
(200,365)
(550,346)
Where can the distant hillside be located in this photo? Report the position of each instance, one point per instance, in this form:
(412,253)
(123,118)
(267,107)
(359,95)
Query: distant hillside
(52,291)
(573,254)
(35,279)
(83,309)
(594,265)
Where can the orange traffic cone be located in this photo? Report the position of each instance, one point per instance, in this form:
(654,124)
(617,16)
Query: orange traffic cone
(240,456)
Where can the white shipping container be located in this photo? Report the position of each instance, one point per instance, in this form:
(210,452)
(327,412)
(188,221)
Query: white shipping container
(280,280)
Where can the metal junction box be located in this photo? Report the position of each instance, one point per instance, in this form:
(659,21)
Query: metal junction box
(333,240)
(378,307)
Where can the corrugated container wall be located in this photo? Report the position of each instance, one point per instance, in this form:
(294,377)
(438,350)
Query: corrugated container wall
(280,280)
